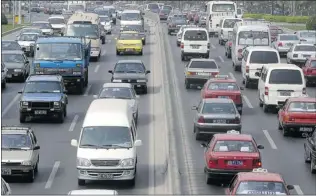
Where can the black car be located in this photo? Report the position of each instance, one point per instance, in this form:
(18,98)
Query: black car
(10,45)
(310,152)
(35,9)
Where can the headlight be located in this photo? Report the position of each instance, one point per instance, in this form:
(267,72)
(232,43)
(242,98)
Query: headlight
(127,162)
(141,81)
(117,80)
(56,103)
(18,70)
(95,49)
(26,163)
(76,73)
(83,162)
(24,103)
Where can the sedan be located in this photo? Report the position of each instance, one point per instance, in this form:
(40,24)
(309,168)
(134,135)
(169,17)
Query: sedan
(27,42)
(10,45)
(307,37)
(309,70)
(215,115)
(299,53)
(46,28)
(175,24)
(283,42)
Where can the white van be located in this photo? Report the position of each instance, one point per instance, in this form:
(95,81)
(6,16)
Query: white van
(278,82)
(195,42)
(106,149)
(131,17)
(226,26)
(253,60)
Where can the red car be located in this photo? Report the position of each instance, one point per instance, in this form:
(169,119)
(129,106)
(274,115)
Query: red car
(309,70)
(298,115)
(258,182)
(223,87)
(230,153)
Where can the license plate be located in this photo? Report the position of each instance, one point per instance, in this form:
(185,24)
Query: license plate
(219,121)
(306,129)
(223,97)
(195,47)
(129,50)
(107,176)
(203,74)
(234,163)
(9,76)
(40,112)
(5,171)
(285,93)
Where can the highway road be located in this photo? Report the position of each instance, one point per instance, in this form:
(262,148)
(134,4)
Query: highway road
(170,158)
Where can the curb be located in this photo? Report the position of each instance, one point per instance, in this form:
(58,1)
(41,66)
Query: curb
(12,31)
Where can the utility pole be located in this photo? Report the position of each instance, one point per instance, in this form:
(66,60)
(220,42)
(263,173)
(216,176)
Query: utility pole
(19,12)
(30,21)
(13,15)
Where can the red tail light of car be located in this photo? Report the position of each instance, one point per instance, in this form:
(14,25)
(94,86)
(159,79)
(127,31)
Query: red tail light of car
(212,163)
(201,120)
(236,121)
(287,118)
(266,90)
(182,45)
(247,68)
(280,44)
(257,163)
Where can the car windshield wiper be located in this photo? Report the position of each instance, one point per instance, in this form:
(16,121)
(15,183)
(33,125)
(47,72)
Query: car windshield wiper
(133,71)
(115,145)
(90,145)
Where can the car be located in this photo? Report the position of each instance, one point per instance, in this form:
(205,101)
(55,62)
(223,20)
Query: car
(121,91)
(131,71)
(226,27)
(20,152)
(43,96)
(223,87)
(275,31)
(298,53)
(10,45)
(215,115)
(136,28)
(106,22)
(129,43)
(58,24)
(5,188)
(309,70)
(297,115)
(93,192)
(174,24)
(163,14)
(221,162)
(27,42)
(17,64)
(198,71)
(258,182)
(30,30)
(228,48)
(283,42)
(203,19)
(310,152)
(180,32)
(306,36)
(4,71)
(45,26)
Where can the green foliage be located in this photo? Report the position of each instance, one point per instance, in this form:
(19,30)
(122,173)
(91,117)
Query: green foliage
(278,18)
(311,23)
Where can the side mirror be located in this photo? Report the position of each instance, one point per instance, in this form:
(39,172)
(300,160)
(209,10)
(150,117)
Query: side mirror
(27,61)
(203,145)
(194,108)
(260,147)
(36,148)
(95,96)
(290,187)
(138,143)
(74,142)
(257,74)
(19,92)
(110,71)
(242,88)
(147,71)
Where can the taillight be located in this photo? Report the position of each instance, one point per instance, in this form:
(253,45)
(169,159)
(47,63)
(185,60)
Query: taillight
(182,45)
(201,120)
(191,73)
(212,163)
(304,91)
(230,43)
(280,44)
(287,118)
(247,69)
(214,73)
(309,70)
(266,90)
(256,163)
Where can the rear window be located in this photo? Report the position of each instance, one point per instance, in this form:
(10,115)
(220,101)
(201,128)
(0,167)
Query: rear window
(227,86)
(234,146)
(302,107)
(305,48)
(218,108)
(264,57)
(261,188)
(229,23)
(203,64)
(289,37)
(313,64)
(153,6)
(285,76)
(195,35)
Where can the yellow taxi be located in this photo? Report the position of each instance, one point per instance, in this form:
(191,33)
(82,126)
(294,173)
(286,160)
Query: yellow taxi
(129,42)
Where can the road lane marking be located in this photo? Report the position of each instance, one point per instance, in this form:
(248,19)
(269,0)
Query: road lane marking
(270,140)
(247,101)
(87,90)
(8,107)
(298,190)
(213,46)
(232,75)
(221,58)
(52,175)
(73,123)
(96,68)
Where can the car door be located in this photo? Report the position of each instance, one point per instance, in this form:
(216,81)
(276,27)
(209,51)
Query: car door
(35,152)
(282,110)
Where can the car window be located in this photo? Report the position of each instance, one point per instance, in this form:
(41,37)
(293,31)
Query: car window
(203,65)
(261,188)
(264,57)
(302,48)
(275,32)
(234,146)
(20,141)
(299,106)
(255,38)
(285,76)
(218,108)
(289,37)
(308,34)
(116,93)
(42,87)
(10,46)
(195,35)
(42,25)
(129,68)
(229,23)
(12,58)
(313,64)
(227,86)
(28,37)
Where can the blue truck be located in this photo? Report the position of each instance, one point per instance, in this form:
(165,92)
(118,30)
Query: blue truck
(65,56)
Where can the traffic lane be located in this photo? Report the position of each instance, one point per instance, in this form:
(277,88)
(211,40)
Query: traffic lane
(278,147)
(68,180)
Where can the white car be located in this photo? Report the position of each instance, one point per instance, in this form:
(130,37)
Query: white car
(93,192)
(283,42)
(58,24)
(4,71)
(179,34)
(298,53)
(106,22)
(307,37)
(27,42)
(45,26)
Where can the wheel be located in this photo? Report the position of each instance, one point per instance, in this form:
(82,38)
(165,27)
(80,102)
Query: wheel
(136,118)
(240,112)
(144,42)
(65,111)
(132,182)
(219,41)
(81,182)
(103,40)
(182,57)
(306,158)
(145,90)
(61,117)
(86,80)
(313,170)
(22,118)
(117,52)
(4,84)
(260,103)
(36,168)
(141,52)
(31,176)
(285,132)
(226,53)
(208,180)
(265,108)
(187,84)
(23,78)
(229,56)
(80,87)
(197,134)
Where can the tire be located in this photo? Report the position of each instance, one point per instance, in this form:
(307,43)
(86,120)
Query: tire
(141,53)
(80,87)
(182,57)
(65,110)
(145,90)
(240,112)
(260,103)
(208,180)
(136,119)
(187,84)
(313,170)
(87,80)
(103,40)
(144,42)
(132,182)
(31,176)
(36,168)
(61,117)
(229,56)
(81,182)
(23,78)
(22,118)
(306,158)
(285,132)
(279,125)
(265,108)
(117,53)
(4,84)
(247,84)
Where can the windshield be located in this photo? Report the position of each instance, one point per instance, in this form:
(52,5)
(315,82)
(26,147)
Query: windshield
(302,107)
(305,48)
(56,21)
(223,8)
(20,141)
(10,46)
(203,65)
(129,36)
(137,28)
(308,34)
(226,86)
(153,6)
(218,108)
(289,37)
(165,11)
(105,19)
(167,8)
(130,16)
(285,76)
(116,93)
(239,11)
(263,57)
(129,68)
(42,25)
(76,7)
(256,38)
(195,35)
(102,12)
(106,137)
(85,30)
(261,188)
(229,23)
(31,31)
(28,37)
(42,87)
(275,32)
(58,51)
(234,146)
(12,58)
(179,21)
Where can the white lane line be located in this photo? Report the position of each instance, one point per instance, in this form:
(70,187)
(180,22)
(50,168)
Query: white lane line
(247,101)
(8,107)
(298,190)
(52,175)
(221,58)
(232,75)
(73,123)
(87,90)
(270,140)
(213,46)
(96,68)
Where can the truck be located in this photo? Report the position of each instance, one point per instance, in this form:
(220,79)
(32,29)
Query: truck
(67,56)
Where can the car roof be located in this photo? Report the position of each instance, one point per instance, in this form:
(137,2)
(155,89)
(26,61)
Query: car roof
(203,60)
(287,34)
(14,129)
(255,176)
(302,99)
(29,33)
(93,192)
(59,40)
(12,52)
(217,100)
(282,66)
(130,11)
(129,61)
(195,29)
(251,27)
(118,85)
(219,80)
(233,137)
(9,41)
(260,48)
(301,44)
(47,78)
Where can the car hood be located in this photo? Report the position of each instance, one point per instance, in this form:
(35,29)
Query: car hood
(16,155)
(58,26)
(14,65)
(101,153)
(41,97)
(26,43)
(129,76)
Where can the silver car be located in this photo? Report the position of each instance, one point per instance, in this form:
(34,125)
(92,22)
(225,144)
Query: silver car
(198,71)
(45,26)
(20,152)
(283,42)
(299,53)
(27,42)
(215,115)
(307,37)
(120,91)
